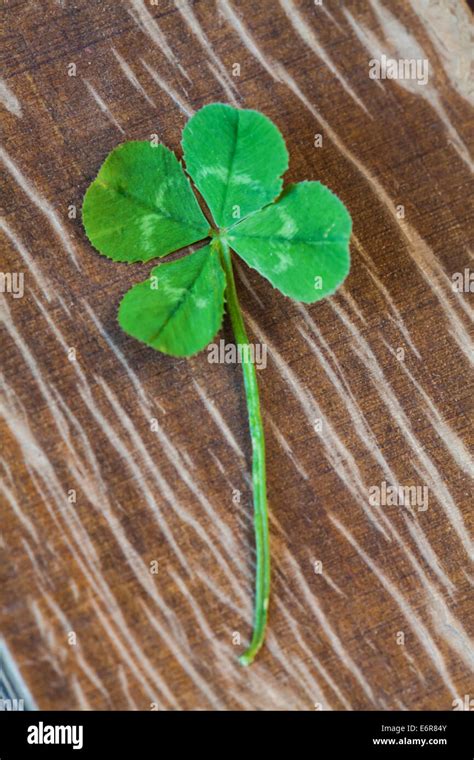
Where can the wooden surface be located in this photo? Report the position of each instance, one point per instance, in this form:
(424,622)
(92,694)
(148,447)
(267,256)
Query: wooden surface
(156,448)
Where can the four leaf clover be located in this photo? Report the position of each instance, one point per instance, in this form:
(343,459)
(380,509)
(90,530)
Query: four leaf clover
(142,206)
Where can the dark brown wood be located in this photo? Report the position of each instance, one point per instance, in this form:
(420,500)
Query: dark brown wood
(156,448)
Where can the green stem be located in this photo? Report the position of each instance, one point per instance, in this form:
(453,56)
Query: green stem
(262,580)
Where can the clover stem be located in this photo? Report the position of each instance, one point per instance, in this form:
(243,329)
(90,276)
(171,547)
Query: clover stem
(262,544)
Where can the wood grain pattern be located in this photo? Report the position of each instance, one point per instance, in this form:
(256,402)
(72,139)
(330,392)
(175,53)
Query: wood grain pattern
(156,448)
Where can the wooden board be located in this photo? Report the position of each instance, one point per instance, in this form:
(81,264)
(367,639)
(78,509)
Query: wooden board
(372,605)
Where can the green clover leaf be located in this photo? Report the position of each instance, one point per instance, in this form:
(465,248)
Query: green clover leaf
(179,309)
(300,243)
(236,159)
(142,206)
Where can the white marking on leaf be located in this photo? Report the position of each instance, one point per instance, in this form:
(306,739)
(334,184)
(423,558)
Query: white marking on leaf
(284,262)
(219,172)
(289,228)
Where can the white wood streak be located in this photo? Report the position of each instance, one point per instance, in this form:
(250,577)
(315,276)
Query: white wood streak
(76,650)
(407,46)
(18,511)
(327,579)
(132,705)
(370,268)
(80,548)
(35,270)
(323,8)
(244,279)
(217,67)
(414,621)
(352,303)
(219,464)
(103,105)
(187,458)
(449,628)
(217,74)
(124,650)
(41,203)
(184,660)
(143,18)
(309,37)
(30,361)
(220,649)
(296,632)
(232,18)
(146,401)
(367,438)
(448,24)
(32,556)
(56,653)
(9,99)
(184,106)
(81,699)
(336,643)
(424,547)
(452,442)
(286,447)
(427,470)
(400,44)
(413,666)
(299,672)
(216,415)
(130,74)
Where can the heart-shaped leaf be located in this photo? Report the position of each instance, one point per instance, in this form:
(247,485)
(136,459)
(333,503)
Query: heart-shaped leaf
(179,309)
(236,159)
(300,243)
(141,205)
